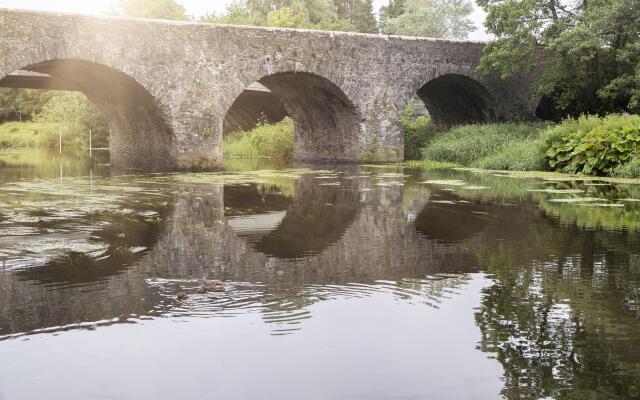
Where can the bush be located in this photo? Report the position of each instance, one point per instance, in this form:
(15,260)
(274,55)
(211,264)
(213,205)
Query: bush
(78,113)
(418,133)
(496,146)
(592,145)
(268,140)
(630,169)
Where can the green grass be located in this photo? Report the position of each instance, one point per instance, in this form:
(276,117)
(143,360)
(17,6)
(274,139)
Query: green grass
(509,146)
(39,134)
(265,141)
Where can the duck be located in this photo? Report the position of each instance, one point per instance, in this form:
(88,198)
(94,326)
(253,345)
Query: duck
(181,296)
(211,286)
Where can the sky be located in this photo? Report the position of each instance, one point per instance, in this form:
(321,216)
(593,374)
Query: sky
(193,7)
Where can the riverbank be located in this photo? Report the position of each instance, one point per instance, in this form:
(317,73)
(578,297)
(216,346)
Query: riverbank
(16,135)
(589,145)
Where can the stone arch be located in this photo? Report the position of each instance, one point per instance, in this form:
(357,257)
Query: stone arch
(328,125)
(454,99)
(140,136)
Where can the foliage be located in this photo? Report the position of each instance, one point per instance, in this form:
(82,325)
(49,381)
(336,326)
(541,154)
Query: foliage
(629,170)
(269,140)
(156,9)
(372,153)
(589,51)
(286,17)
(22,104)
(418,133)
(507,146)
(51,112)
(394,9)
(339,15)
(39,134)
(428,18)
(516,155)
(78,114)
(593,145)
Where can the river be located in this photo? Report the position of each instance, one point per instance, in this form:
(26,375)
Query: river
(344,282)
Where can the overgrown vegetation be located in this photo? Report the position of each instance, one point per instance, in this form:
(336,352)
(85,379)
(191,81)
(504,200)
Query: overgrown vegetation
(513,146)
(36,134)
(630,169)
(22,104)
(38,118)
(592,145)
(589,51)
(335,15)
(430,18)
(418,131)
(589,145)
(265,141)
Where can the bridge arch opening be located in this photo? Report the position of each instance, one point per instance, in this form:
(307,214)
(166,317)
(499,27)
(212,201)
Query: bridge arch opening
(139,137)
(454,99)
(441,103)
(326,122)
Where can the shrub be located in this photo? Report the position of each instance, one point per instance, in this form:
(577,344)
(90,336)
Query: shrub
(268,140)
(630,169)
(418,133)
(592,145)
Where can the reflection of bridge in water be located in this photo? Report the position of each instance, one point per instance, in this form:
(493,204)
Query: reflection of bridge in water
(274,248)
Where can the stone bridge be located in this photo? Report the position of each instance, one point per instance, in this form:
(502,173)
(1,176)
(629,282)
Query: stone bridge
(166,87)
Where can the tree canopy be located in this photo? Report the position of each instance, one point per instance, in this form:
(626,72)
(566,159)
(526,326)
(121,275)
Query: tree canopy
(339,15)
(157,9)
(428,18)
(589,50)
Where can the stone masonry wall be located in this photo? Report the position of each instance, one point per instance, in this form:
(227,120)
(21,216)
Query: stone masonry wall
(184,77)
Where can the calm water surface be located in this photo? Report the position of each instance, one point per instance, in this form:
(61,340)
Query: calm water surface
(340,283)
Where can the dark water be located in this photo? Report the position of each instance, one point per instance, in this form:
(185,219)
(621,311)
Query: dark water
(348,283)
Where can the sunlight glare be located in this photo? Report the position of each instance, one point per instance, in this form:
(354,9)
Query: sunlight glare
(94,7)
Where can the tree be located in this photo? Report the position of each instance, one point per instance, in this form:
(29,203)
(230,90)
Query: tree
(22,104)
(75,111)
(394,9)
(358,13)
(338,15)
(589,50)
(429,18)
(287,18)
(156,9)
